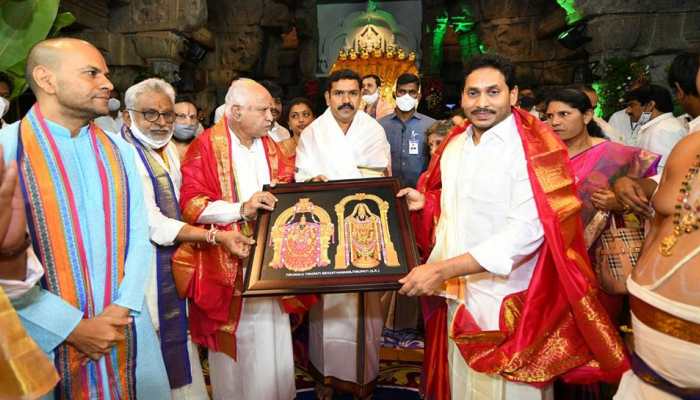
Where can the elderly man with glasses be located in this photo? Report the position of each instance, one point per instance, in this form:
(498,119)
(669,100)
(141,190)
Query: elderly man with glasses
(149,128)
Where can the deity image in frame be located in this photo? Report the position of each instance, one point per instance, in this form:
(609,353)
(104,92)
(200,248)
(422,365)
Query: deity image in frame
(363,237)
(300,237)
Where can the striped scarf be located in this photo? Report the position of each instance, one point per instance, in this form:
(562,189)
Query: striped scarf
(172,314)
(55,229)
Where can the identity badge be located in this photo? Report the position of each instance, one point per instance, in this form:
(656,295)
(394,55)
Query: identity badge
(413,147)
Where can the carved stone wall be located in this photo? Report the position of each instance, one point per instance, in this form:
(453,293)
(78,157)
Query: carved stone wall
(522,30)
(278,38)
(142,38)
(650,30)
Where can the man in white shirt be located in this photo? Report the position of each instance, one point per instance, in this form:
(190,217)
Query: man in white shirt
(681,78)
(684,78)
(113,121)
(657,130)
(492,247)
(223,173)
(343,143)
(620,121)
(278,133)
(149,129)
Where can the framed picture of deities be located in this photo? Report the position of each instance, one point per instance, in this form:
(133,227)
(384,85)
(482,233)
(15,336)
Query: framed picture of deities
(332,237)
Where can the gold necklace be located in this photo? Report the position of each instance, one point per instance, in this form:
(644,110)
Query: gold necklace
(686,217)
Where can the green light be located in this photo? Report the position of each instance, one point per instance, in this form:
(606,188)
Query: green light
(601,99)
(572,15)
(438,38)
(463,25)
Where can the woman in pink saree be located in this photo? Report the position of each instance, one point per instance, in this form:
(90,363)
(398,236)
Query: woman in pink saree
(597,163)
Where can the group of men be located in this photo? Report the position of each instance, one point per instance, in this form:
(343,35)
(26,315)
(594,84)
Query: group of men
(123,233)
(106,211)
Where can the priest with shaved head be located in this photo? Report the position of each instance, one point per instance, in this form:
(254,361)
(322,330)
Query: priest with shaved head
(87,223)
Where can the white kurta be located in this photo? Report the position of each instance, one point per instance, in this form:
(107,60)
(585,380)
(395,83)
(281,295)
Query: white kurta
(265,365)
(609,130)
(278,133)
(109,124)
(163,231)
(623,125)
(324,149)
(694,125)
(489,211)
(659,136)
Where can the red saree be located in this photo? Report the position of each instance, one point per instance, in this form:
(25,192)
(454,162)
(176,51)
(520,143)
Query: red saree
(557,327)
(208,276)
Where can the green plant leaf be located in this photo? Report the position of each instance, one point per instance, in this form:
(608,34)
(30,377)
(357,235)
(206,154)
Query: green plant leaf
(15,38)
(62,20)
(18,14)
(16,74)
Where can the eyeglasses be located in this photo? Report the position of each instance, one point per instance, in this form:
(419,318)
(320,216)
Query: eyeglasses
(153,115)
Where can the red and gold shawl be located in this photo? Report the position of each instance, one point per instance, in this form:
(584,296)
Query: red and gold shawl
(208,276)
(557,327)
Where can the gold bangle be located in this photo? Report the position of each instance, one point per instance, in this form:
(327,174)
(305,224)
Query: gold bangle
(211,235)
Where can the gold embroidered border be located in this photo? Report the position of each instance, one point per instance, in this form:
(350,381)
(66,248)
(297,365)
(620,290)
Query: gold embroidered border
(664,322)
(598,331)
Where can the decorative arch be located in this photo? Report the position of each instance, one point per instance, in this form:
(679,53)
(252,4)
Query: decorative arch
(388,252)
(316,235)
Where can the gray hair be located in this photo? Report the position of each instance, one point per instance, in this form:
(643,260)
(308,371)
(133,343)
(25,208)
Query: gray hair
(147,86)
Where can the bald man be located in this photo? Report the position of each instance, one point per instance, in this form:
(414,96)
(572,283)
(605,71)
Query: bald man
(88,225)
(224,170)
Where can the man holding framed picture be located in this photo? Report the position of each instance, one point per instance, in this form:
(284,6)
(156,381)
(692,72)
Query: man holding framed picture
(344,144)
(508,254)
(249,341)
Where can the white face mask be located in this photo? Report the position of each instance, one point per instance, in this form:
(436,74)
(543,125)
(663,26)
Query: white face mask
(4,106)
(371,98)
(184,132)
(114,104)
(644,118)
(149,142)
(406,103)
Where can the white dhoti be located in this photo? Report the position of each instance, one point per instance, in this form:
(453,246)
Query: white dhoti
(676,360)
(467,384)
(164,231)
(265,366)
(333,339)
